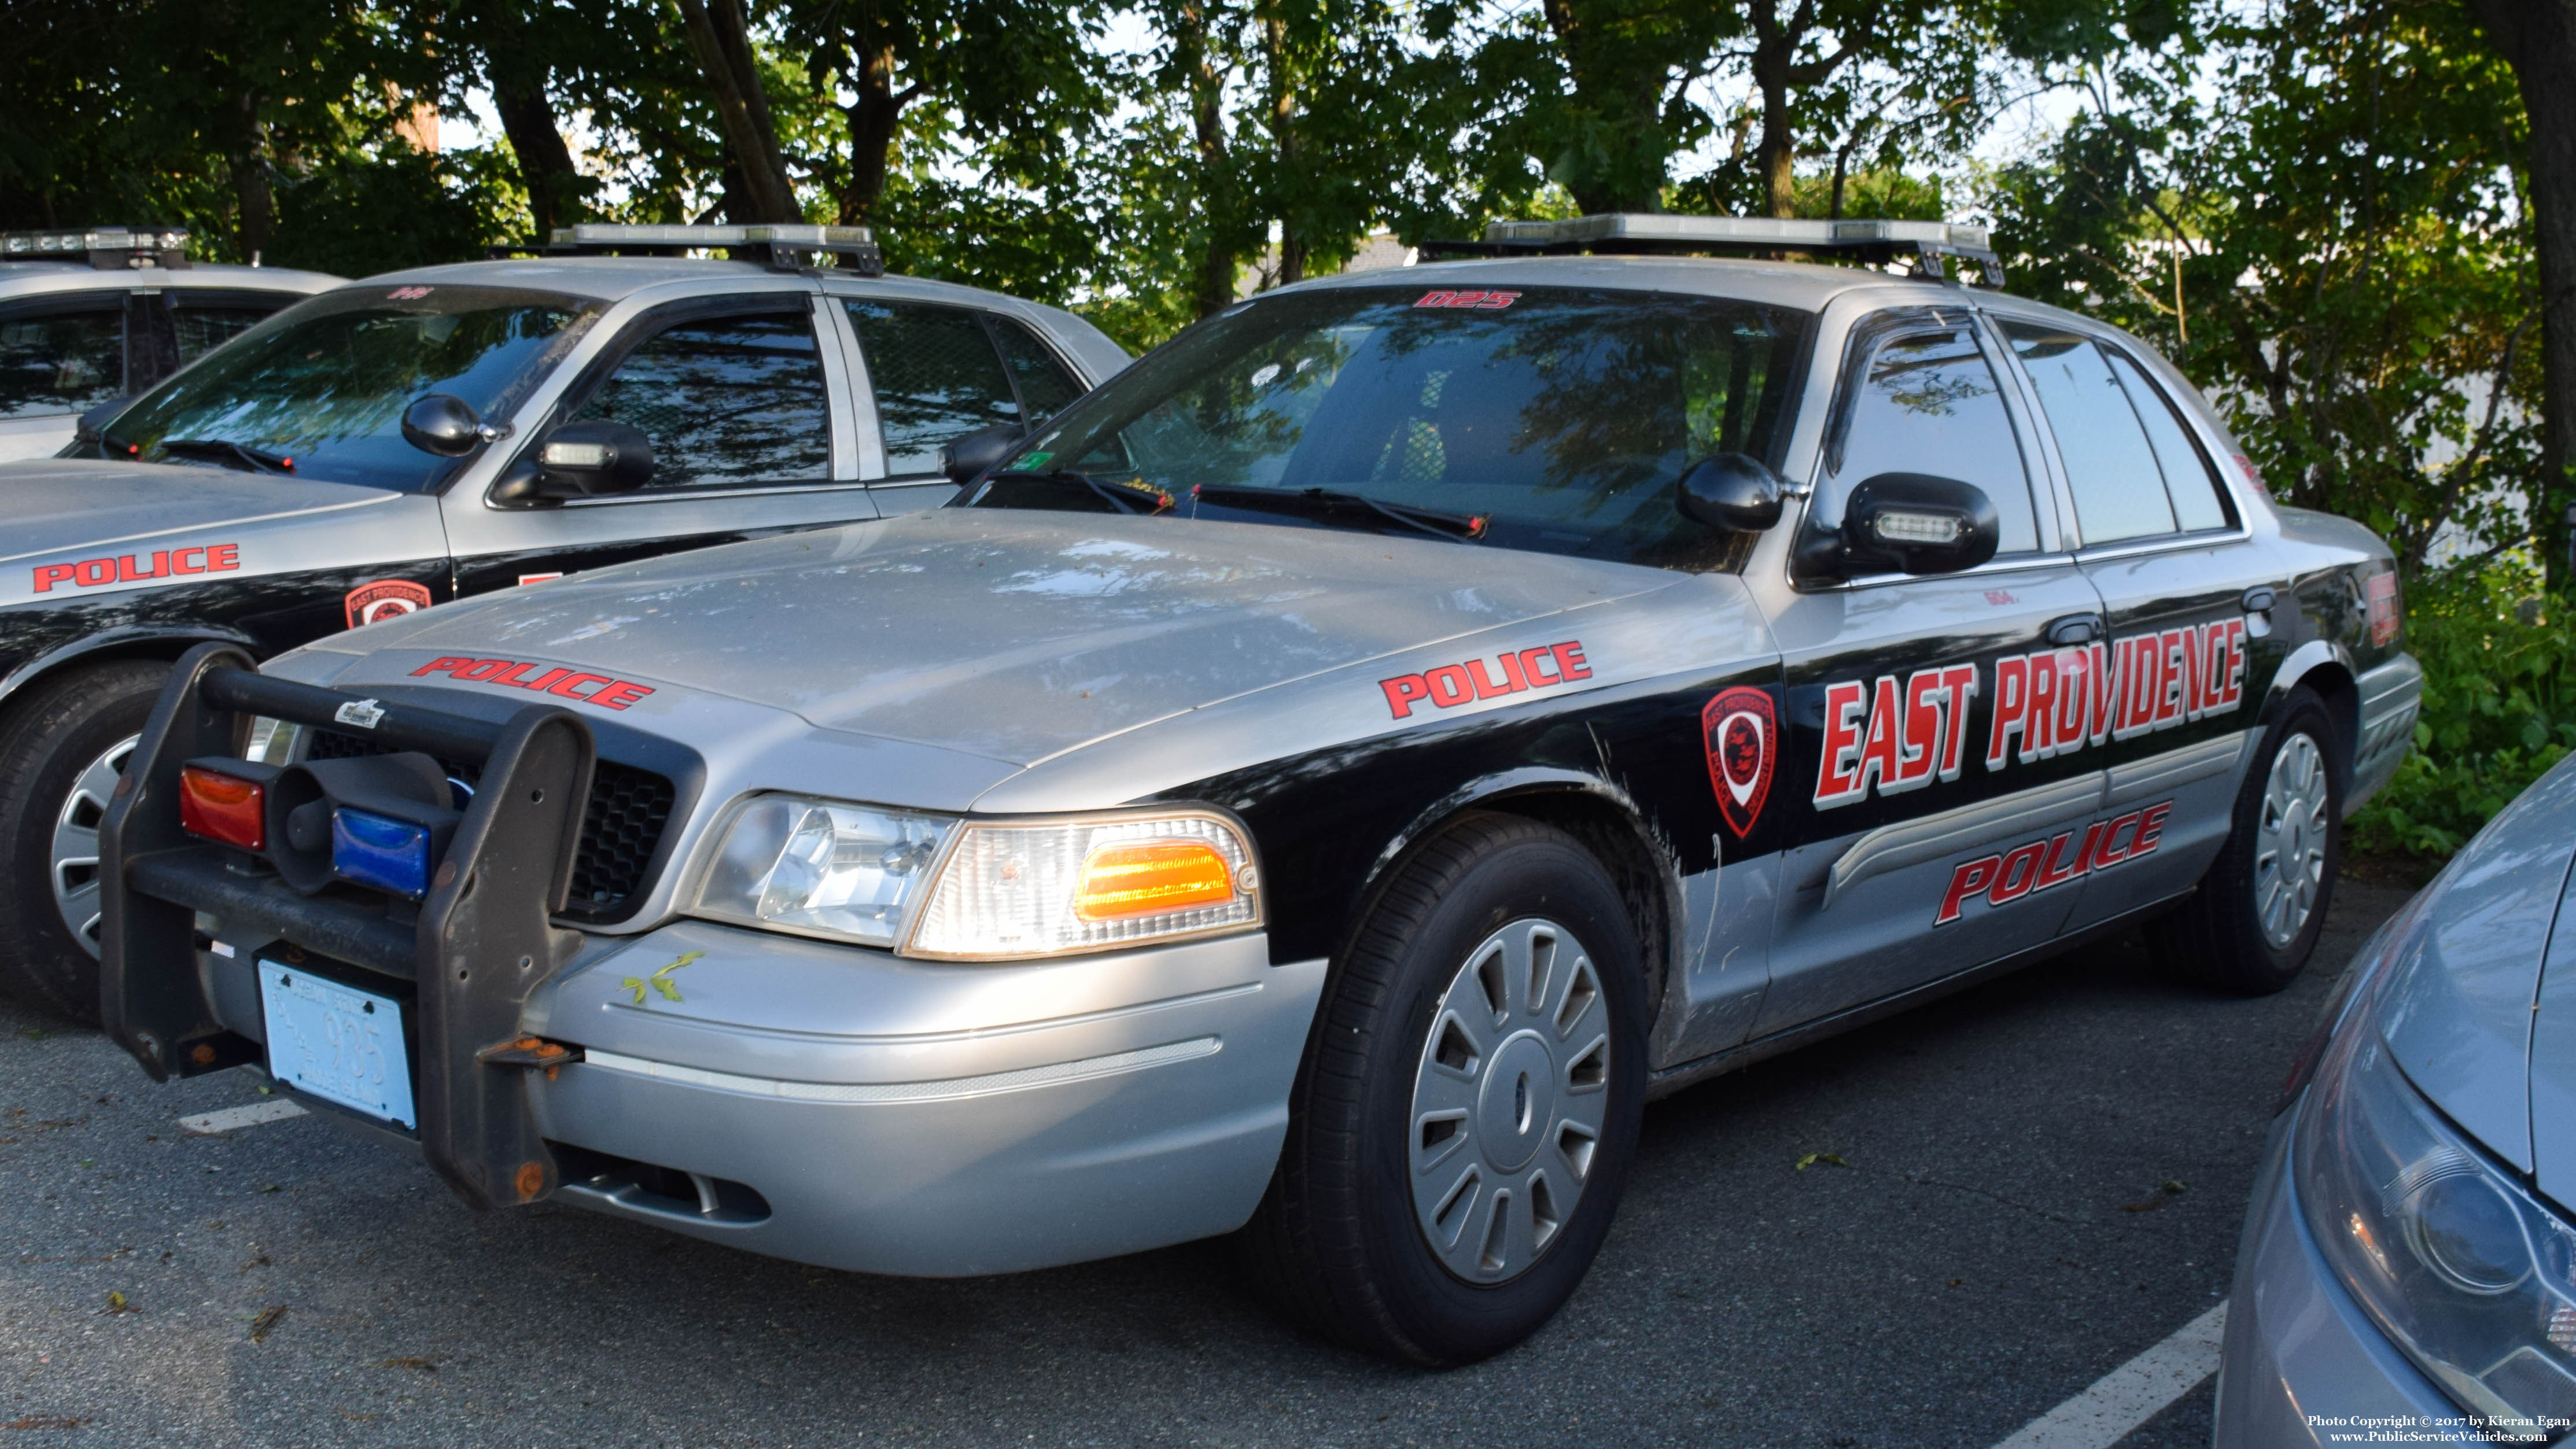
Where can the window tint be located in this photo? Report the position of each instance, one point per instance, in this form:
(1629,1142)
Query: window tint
(1045,387)
(2110,469)
(60,361)
(202,329)
(725,400)
(2188,478)
(936,377)
(1928,402)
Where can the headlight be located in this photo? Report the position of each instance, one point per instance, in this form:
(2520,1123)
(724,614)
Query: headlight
(940,887)
(2466,1273)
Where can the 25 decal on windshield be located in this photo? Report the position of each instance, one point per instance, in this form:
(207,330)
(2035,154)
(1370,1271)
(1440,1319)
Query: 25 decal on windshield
(1887,737)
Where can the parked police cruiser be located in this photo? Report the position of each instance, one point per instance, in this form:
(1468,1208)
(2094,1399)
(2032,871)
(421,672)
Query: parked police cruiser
(430,434)
(1321,786)
(102,313)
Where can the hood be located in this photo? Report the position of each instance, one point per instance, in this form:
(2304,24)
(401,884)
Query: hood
(2469,1017)
(66,508)
(1009,634)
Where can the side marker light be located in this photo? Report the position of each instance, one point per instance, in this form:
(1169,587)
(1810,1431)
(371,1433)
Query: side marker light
(1148,877)
(223,807)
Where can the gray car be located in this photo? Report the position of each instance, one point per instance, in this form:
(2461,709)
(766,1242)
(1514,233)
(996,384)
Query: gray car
(90,316)
(1320,785)
(427,435)
(2410,1259)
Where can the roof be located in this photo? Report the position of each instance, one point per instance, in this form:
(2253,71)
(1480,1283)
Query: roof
(1804,285)
(36,279)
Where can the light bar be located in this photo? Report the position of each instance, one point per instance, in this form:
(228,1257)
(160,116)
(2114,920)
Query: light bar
(786,243)
(1735,231)
(102,246)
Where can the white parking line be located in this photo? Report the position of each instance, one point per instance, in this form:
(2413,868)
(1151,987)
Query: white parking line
(2131,1394)
(251,1116)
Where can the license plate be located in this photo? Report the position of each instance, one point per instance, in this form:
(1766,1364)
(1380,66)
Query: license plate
(336,1042)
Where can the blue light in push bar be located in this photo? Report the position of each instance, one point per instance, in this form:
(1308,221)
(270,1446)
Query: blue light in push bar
(377,850)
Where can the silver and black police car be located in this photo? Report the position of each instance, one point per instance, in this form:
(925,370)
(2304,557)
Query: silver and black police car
(427,435)
(1320,785)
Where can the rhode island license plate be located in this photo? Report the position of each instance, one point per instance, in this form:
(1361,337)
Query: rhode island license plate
(336,1042)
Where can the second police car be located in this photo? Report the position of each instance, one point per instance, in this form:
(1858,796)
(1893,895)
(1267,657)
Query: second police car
(1322,786)
(426,435)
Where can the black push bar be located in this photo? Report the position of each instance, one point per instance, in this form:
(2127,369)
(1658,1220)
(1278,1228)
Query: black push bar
(481,941)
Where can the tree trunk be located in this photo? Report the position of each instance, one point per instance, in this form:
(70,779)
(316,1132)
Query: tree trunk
(1283,136)
(545,162)
(1775,46)
(2538,39)
(720,38)
(1218,264)
(255,208)
(872,120)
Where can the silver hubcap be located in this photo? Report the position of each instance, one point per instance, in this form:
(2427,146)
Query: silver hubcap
(75,863)
(1509,1101)
(2290,841)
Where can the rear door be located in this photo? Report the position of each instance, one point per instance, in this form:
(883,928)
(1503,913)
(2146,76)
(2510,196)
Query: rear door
(1937,793)
(749,403)
(2160,538)
(931,372)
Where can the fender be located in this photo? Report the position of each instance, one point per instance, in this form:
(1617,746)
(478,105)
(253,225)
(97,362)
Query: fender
(2304,663)
(174,639)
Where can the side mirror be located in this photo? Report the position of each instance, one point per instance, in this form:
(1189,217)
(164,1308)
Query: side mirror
(579,460)
(442,424)
(980,452)
(92,426)
(1731,491)
(1918,524)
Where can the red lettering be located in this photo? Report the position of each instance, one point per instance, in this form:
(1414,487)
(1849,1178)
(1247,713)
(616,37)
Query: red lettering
(1435,299)
(2104,696)
(2105,857)
(1486,688)
(1512,669)
(2012,699)
(126,573)
(2195,671)
(2084,861)
(95,571)
(566,687)
(2074,697)
(2039,716)
(1837,773)
(2019,871)
(1402,691)
(513,674)
(2235,662)
(545,681)
(1878,747)
(1531,659)
(1919,751)
(2174,645)
(1966,881)
(2151,826)
(482,669)
(48,575)
(1497,301)
(621,694)
(1450,686)
(1959,682)
(223,558)
(1569,659)
(2054,868)
(2145,671)
(449,664)
(179,561)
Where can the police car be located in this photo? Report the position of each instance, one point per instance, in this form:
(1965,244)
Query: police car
(426,435)
(90,316)
(1320,786)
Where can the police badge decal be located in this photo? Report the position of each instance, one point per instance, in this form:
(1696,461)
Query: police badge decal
(384,599)
(1741,728)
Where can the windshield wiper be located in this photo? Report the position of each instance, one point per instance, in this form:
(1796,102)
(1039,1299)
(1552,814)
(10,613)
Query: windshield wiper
(1326,505)
(221,450)
(1125,497)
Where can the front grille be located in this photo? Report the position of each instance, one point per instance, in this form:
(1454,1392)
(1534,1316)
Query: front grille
(620,827)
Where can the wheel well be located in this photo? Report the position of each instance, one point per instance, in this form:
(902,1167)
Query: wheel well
(2336,688)
(1636,864)
(164,647)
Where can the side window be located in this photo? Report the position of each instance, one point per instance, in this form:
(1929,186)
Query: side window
(725,400)
(1928,401)
(1045,387)
(936,377)
(2189,480)
(202,329)
(61,359)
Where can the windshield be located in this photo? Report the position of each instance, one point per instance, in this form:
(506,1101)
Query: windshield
(1556,419)
(324,383)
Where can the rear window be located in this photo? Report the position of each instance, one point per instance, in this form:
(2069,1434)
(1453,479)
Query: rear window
(1562,417)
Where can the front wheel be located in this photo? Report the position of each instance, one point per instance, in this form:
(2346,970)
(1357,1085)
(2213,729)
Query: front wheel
(2257,915)
(1462,1128)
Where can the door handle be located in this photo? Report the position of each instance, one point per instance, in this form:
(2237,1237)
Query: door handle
(2259,599)
(2075,629)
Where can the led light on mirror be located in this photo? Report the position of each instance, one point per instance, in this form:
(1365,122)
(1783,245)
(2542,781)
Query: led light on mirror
(1894,526)
(821,868)
(576,455)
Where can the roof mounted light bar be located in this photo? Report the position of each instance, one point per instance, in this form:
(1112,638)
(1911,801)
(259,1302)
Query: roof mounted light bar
(783,247)
(1925,243)
(108,248)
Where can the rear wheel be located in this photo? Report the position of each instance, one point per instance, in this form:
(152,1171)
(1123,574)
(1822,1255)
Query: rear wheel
(62,749)
(1462,1128)
(2258,912)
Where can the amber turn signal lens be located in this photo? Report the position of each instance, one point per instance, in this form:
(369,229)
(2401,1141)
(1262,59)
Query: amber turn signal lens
(1148,877)
(223,807)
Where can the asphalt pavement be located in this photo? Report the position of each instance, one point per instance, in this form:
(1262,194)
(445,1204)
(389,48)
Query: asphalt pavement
(2004,1196)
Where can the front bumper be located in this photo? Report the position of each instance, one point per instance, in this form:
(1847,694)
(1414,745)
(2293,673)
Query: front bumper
(2303,1364)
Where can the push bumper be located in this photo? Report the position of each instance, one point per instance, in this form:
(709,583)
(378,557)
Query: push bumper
(2303,1364)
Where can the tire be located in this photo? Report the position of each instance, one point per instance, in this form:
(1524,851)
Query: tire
(1401,1071)
(2258,912)
(61,746)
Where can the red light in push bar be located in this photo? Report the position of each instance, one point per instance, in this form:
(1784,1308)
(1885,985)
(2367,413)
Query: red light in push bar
(223,807)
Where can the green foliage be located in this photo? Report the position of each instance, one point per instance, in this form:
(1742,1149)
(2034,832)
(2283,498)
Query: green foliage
(356,214)
(2499,661)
